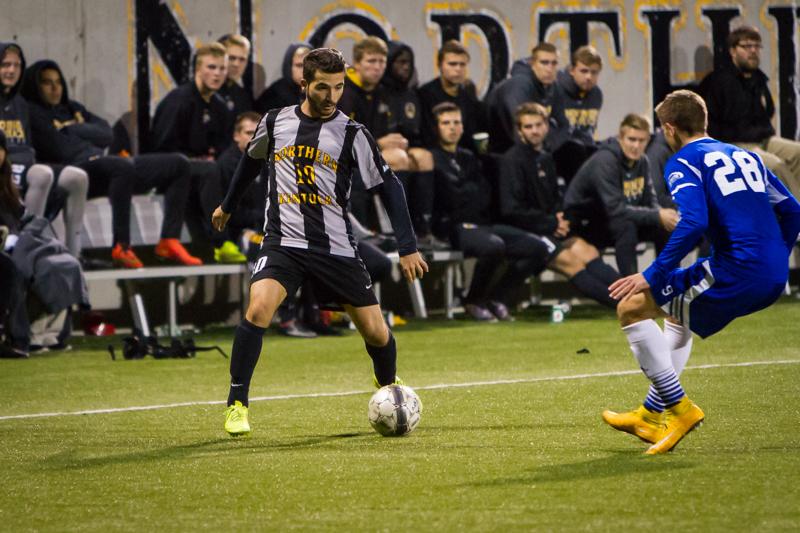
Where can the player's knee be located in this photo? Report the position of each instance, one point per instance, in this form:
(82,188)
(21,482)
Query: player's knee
(632,310)
(376,333)
(423,159)
(258,314)
(396,159)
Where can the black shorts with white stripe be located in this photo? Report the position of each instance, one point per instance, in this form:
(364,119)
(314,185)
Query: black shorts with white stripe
(336,279)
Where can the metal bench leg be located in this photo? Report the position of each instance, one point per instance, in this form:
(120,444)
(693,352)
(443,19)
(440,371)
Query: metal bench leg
(174,331)
(417,299)
(376,288)
(448,291)
(137,308)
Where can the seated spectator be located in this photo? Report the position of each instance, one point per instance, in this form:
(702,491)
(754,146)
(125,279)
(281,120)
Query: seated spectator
(611,201)
(532,80)
(40,184)
(740,108)
(375,104)
(463,196)
(237,97)
(453,86)
(582,102)
(286,91)
(658,153)
(38,263)
(66,132)
(530,199)
(247,221)
(193,120)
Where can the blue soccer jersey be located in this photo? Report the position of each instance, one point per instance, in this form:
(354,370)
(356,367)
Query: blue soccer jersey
(752,222)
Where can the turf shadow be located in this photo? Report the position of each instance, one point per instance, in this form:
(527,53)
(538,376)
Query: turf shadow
(618,464)
(71,459)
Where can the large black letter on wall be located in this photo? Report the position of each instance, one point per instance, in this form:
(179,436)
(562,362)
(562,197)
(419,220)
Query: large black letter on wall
(579,26)
(660,63)
(155,23)
(368,26)
(787,73)
(499,54)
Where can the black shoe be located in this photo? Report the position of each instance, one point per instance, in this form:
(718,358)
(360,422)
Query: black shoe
(7,352)
(293,328)
(500,310)
(91,263)
(429,243)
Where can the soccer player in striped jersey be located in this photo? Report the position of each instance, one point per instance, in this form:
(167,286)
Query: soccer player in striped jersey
(308,153)
(752,222)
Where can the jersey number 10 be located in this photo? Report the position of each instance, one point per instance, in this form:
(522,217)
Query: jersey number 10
(742,164)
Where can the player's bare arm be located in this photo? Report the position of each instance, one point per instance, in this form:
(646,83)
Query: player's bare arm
(219,218)
(413,266)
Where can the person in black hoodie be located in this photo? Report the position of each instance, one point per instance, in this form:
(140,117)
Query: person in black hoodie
(237,98)
(532,80)
(193,120)
(42,185)
(65,132)
(530,199)
(740,107)
(453,86)
(463,196)
(286,91)
(582,102)
(611,201)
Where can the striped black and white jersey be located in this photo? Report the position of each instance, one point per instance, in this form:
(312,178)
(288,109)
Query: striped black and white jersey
(308,171)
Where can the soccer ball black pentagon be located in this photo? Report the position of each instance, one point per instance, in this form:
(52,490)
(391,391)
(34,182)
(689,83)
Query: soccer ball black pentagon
(394,410)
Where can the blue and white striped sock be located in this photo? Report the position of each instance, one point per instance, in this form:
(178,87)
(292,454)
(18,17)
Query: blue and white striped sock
(653,401)
(668,386)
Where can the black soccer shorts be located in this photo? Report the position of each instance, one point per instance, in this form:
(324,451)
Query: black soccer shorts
(336,279)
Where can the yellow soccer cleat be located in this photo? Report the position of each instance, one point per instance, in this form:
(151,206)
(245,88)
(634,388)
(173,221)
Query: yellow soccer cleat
(236,420)
(642,423)
(397,381)
(681,419)
(229,253)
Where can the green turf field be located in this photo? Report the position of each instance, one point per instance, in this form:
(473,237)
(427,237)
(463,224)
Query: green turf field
(519,456)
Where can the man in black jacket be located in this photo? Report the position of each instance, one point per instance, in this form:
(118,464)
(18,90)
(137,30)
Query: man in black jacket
(193,120)
(611,201)
(65,132)
(238,98)
(582,102)
(740,108)
(530,199)
(286,91)
(463,197)
(532,80)
(453,86)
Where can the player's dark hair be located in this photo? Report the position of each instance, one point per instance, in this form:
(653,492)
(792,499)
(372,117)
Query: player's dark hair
(530,108)
(327,60)
(451,46)
(442,108)
(685,110)
(743,33)
(247,115)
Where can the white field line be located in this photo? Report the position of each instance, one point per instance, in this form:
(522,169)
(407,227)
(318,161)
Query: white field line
(355,392)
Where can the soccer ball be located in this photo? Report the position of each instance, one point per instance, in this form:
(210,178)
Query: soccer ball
(394,410)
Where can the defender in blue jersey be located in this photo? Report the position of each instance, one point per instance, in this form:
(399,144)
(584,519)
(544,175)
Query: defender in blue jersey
(752,222)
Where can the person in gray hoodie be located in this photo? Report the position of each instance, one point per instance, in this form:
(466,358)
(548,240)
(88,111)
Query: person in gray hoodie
(611,201)
(532,80)
(582,102)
